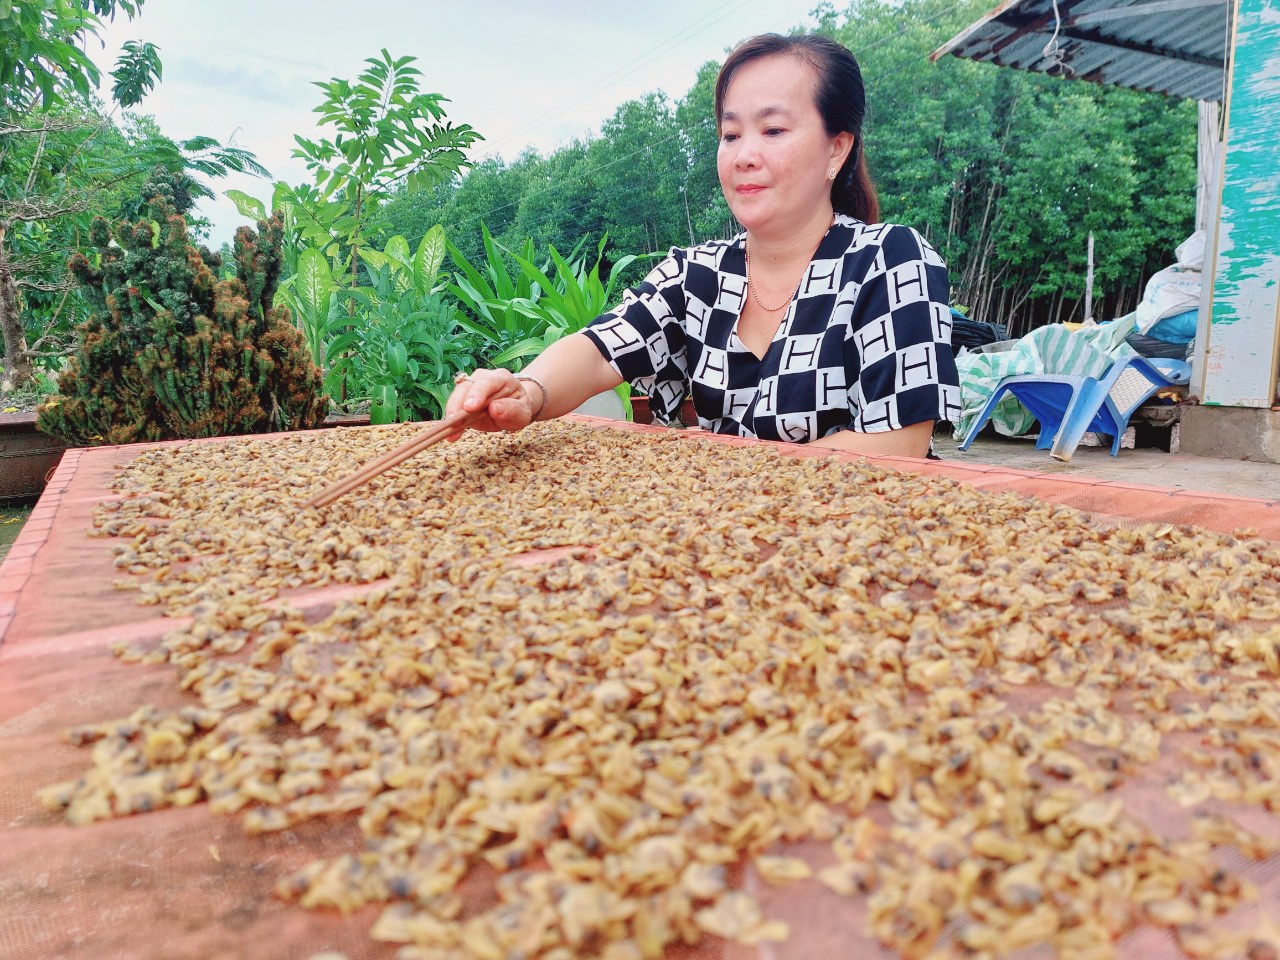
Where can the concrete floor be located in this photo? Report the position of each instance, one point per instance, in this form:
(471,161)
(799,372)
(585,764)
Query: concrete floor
(1152,466)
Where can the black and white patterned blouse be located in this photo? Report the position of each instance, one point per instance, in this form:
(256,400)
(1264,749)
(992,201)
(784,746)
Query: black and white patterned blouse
(865,343)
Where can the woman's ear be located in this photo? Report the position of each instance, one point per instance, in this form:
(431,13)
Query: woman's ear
(841,145)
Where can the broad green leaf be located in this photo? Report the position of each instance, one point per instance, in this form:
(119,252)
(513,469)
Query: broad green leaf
(335,380)
(550,297)
(246,205)
(385,400)
(427,261)
(397,358)
(530,347)
(623,390)
(476,285)
(614,274)
(480,329)
(397,249)
(440,392)
(498,272)
(373,258)
(576,306)
(283,197)
(341,344)
(313,287)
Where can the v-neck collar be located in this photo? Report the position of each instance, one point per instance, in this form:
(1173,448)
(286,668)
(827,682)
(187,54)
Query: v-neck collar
(739,265)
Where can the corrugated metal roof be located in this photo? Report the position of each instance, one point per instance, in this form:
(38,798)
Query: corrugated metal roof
(1177,47)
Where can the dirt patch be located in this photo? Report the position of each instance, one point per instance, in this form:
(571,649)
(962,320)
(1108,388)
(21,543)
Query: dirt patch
(11,521)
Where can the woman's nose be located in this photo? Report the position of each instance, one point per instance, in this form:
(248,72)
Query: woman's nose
(748,154)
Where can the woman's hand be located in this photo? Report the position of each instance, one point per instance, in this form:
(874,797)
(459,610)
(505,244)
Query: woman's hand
(572,369)
(498,401)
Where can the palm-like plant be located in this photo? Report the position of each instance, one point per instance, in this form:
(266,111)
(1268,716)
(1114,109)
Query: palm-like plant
(521,315)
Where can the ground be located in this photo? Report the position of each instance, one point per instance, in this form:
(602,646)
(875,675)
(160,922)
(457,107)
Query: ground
(1144,466)
(11,519)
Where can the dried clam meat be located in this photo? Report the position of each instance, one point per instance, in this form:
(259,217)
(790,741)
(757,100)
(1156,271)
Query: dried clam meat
(617,668)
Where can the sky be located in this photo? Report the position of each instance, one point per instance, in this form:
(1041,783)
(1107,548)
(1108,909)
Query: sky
(524,73)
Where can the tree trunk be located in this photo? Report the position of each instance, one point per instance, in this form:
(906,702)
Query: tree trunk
(688,218)
(17,363)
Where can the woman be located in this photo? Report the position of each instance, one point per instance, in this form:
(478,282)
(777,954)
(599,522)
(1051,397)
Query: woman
(816,325)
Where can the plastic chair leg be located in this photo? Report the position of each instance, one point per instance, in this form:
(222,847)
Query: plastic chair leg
(1116,440)
(996,394)
(1079,416)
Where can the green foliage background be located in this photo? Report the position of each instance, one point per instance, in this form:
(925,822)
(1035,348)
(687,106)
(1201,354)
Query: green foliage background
(66,157)
(1005,172)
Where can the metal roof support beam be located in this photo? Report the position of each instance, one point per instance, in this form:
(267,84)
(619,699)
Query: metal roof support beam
(1141,10)
(1034,25)
(1175,47)
(1115,43)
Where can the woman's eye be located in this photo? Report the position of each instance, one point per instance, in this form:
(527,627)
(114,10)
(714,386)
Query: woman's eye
(774,131)
(728,137)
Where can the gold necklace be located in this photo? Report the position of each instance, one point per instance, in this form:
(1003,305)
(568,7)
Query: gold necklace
(756,297)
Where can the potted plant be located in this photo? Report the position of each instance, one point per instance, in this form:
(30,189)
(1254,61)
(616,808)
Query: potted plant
(642,413)
(27,456)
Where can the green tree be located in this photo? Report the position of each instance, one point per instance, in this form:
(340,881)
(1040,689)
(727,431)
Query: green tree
(705,210)
(489,194)
(42,67)
(638,170)
(558,206)
(63,159)
(388,136)
(41,57)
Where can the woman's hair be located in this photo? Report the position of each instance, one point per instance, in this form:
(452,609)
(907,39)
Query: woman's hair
(840,99)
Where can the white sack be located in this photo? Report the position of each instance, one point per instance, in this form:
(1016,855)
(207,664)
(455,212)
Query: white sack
(1190,252)
(1169,292)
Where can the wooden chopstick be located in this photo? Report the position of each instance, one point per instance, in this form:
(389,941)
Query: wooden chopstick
(427,437)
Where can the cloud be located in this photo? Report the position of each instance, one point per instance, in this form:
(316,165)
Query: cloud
(253,83)
(522,74)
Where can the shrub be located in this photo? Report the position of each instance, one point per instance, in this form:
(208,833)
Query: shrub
(170,351)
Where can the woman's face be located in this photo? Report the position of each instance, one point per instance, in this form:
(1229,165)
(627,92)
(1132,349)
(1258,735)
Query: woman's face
(774,148)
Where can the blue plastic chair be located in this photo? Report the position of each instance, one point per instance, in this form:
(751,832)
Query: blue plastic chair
(1068,407)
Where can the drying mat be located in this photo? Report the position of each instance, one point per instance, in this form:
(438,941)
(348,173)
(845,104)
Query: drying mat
(182,883)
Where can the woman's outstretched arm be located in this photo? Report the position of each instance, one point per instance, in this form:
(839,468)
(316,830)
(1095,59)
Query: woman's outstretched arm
(572,369)
(909,441)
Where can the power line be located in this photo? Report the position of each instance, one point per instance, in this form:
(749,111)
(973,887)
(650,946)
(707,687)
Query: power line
(486,215)
(680,37)
(609,80)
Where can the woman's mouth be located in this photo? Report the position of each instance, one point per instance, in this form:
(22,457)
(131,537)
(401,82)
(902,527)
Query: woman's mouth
(749,188)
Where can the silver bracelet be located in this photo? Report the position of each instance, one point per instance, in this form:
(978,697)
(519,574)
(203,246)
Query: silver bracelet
(541,386)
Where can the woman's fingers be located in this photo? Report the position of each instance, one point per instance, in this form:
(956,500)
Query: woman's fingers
(511,414)
(496,396)
(487,388)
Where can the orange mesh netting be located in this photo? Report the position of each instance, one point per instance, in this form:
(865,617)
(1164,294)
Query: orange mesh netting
(184,883)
